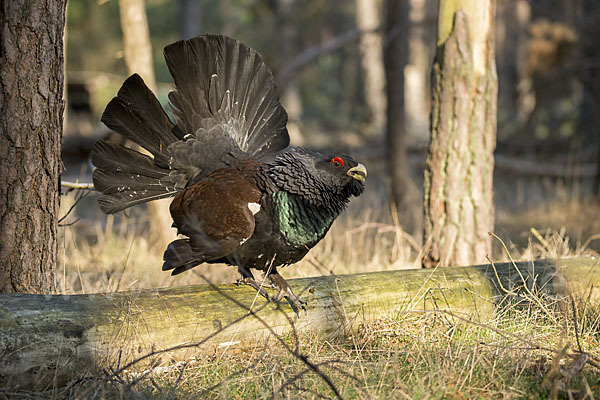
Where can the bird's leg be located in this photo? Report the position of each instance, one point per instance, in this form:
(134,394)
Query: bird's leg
(248,279)
(285,290)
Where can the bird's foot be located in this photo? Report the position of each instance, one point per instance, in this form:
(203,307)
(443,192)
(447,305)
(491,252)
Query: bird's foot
(292,298)
(256,285)
(286,291)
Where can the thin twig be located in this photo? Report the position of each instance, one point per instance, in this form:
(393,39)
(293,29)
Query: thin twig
(70,223)
(78,197)
(172,391)
(236,373)
(310,365)
(575,322)
(315,368)
(77,185)
(300,375)
(308,55)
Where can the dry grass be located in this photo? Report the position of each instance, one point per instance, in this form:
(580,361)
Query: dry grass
(521,353)
(115,254)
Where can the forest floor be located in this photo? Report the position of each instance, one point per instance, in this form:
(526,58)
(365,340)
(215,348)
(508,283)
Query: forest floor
(539,351)
(544,350)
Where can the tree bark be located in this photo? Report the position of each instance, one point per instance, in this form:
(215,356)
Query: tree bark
(31,106)
(395,61)
(48,340)
(371,59)
(138,57)
(459,209)
(417,70)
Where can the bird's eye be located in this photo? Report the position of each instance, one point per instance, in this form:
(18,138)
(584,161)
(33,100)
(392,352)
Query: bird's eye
(338,162)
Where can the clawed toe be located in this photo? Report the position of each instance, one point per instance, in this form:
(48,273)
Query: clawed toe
(274,281)
(256,285)
(287,293)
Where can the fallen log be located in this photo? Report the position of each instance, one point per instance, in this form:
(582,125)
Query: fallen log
(46,340)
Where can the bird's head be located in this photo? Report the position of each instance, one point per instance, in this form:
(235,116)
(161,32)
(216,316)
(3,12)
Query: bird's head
(342,174)
(324,180)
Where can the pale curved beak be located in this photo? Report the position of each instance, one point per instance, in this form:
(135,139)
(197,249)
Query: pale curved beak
(359,172)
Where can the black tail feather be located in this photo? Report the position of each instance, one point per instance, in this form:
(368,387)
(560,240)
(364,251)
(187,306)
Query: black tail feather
(110,204)
(127,177)
(180,257)
(109,156)
(136,114)
(220,79)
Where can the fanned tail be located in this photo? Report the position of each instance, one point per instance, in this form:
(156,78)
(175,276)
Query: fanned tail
(221,81)
(125,176)
(226,106)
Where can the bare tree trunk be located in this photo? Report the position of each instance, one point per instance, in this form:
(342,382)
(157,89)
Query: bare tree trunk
(459,209)
(31,106)
(190,17)
(291,98)
(138,57)
(136,40)
(417,70)
(371,58)
(590,78)
(515,94)
(395,61)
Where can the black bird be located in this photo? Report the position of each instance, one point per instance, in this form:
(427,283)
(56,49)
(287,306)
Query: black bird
(231,204)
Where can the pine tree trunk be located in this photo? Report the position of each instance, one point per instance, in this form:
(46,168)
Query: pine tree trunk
(395,61)
(417,71)
(371,59)
(31,122)
(138,57)
(136,40)
(190,18)
(291,97)
(459,209)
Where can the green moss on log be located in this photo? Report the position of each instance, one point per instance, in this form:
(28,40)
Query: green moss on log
(45,339)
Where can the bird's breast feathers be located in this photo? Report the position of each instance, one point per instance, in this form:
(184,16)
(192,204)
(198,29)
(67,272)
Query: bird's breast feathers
(299,224)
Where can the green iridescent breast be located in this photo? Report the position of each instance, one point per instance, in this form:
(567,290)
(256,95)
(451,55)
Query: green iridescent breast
(301,225)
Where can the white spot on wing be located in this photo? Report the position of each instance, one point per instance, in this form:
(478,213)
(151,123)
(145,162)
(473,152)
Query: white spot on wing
(254,207)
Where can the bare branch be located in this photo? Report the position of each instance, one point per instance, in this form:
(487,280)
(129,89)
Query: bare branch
(77,185)
(290,69)
(78,197)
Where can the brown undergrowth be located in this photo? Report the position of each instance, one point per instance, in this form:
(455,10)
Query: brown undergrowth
(549,348)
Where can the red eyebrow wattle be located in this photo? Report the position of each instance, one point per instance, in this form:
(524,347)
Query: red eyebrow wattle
(337,159)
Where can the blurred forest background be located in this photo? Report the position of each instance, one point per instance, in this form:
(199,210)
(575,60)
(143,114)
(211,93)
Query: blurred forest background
(329,59)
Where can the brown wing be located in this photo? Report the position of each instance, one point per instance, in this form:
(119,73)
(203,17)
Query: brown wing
(215,213)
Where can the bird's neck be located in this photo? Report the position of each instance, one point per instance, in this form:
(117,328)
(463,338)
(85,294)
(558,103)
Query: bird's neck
(301,224)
